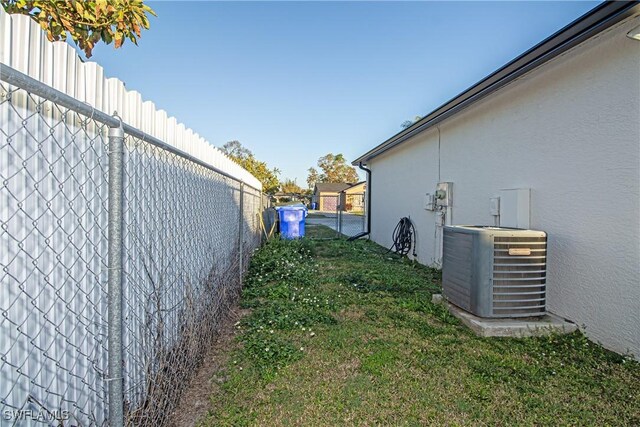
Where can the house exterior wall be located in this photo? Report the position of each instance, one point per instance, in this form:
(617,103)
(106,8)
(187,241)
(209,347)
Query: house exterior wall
(355,198)
(569,131)
(355,202)
(357,189)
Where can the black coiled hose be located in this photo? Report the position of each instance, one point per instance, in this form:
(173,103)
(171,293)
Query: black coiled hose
(404,237)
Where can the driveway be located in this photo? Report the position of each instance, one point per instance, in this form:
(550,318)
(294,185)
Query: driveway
(351,224)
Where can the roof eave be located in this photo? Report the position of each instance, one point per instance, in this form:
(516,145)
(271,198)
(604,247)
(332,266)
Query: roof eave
(593,22)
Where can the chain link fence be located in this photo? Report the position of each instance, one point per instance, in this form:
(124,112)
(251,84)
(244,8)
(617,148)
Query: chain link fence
(185,225)
(335,216)
(352,214)
(322,221)
(98,329)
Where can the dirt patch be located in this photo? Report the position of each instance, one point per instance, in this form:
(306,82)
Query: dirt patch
(351,314)
(194,403)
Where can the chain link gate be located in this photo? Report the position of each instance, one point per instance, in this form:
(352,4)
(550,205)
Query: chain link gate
(352,214)
(323,222)
(120,255)
(341,215)
(336,216)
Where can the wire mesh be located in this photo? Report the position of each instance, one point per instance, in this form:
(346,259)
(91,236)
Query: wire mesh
(253,205)
(53,206)
(183,233)
(334,216)
(322,221)
(352,215)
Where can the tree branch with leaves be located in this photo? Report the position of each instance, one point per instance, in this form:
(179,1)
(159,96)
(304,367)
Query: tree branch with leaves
(87,22)
(289,186)
(334,169)
(408,123)
(245,158)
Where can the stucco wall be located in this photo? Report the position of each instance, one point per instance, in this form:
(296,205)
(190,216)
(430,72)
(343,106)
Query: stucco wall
(569,131)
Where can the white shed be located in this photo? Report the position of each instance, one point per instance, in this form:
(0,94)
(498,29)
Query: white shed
(550,141)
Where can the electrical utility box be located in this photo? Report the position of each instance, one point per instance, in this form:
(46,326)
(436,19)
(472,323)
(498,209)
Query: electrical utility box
(444,194)
(514,207)
(494,206)
(429,202)
(495,272)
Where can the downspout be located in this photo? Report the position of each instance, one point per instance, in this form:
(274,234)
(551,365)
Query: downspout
(368,230)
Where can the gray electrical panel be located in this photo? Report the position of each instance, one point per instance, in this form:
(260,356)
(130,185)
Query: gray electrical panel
(495,272)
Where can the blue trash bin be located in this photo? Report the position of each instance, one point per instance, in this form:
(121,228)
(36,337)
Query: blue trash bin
(292,221)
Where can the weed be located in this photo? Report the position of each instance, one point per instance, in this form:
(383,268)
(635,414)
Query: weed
(344,333)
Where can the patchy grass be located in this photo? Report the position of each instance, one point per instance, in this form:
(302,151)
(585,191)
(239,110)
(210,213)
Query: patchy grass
(316,214)
(315,231)
(342,333)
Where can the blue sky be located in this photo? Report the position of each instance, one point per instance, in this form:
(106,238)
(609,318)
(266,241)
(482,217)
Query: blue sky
(293,81)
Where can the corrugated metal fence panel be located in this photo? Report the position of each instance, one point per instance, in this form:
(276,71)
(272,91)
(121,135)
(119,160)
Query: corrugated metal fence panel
(24,47)
(65,156)
(51,230)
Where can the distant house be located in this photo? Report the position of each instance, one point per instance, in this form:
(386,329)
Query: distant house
(357,188)
(355,197)
(280,197)
(326,195)
(550,141)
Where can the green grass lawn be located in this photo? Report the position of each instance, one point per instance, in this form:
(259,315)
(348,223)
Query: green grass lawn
(316,214)
(342,333)
(314,231)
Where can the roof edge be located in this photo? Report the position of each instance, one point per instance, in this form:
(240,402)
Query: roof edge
(356,184)
(586,26)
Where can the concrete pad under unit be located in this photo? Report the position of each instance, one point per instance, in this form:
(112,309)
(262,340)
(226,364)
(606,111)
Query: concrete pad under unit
(518,327)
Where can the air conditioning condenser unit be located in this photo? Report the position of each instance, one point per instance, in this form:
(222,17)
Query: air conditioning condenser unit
(495,272)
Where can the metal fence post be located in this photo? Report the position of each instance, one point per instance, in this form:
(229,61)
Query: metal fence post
(340,209)
(260,216)
(115,272)
(241,230)
(364,212)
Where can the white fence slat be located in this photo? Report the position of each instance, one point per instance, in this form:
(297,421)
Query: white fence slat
(55,214)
